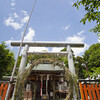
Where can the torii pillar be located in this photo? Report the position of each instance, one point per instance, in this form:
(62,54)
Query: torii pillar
(24,59)
(70,60)
(71,68)
(22,66)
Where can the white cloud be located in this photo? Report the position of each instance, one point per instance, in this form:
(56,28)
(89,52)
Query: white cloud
(55,49)
(71,2)
(12,8)
(66,27)
(17,21)
(12,38)
(30,35)
(24,12)
(16,15)
(99,39)
(25,19)
(10,22)
(38,49)
(13,4)
(8,43)
(81,32)
(78,51)
(77,39)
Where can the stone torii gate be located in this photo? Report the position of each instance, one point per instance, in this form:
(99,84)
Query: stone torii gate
(68,52)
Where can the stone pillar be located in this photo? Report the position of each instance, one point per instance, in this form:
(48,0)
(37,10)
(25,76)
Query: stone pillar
(70,60)
(24,59)
(21,68)
(71,67)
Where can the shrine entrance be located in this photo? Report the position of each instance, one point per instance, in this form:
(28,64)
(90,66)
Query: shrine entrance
(46,82)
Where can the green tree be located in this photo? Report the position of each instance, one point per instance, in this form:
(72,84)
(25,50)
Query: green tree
(92,57)
(96,72)
(6,60)
(79,68)
(92,8)
(89,63)
(65,58)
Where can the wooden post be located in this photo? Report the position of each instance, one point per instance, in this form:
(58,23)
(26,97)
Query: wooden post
(89,91)
(93,92)
(5,90)
(1,88)
(34,91)
(81,91)
(97,91)
(54,88)
(85,91)
(10,91)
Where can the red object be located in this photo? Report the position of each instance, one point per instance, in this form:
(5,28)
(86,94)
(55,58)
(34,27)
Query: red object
(89,91)
(3,90)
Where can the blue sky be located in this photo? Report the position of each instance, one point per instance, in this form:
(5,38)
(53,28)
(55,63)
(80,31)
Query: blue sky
(52,20)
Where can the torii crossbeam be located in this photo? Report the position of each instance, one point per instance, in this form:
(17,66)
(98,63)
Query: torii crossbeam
(46,44)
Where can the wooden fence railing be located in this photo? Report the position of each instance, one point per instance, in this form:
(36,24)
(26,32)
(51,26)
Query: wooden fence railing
(3,89)
(89,89)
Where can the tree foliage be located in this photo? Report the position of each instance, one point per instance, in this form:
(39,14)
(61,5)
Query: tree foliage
(91,59)
(6,60)
(79,68)
(92,8)
(96,72)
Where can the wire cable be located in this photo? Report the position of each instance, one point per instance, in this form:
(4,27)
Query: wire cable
(14,68)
